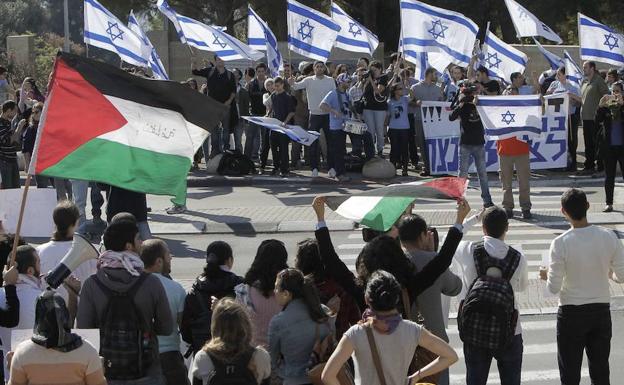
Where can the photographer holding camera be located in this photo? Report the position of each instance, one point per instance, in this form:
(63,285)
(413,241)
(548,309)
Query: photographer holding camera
(375,104)
(472,140)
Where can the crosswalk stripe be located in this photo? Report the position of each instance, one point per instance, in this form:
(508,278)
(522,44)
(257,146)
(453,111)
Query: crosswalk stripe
(528,376)
(549,348)
(526,326)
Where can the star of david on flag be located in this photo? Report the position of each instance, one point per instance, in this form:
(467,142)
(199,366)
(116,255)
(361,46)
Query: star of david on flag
(311,33)
(430,29)
(104,30)
(511,116)
(501,59)
(353,36)
(599,42)
(527,25)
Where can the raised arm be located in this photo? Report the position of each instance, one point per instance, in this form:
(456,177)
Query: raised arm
(335,267)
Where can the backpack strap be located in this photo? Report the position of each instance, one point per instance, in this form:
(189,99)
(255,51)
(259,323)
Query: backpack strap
(483,261)
(407,304)
(375,354)
(481,258)
(510,263)
(130,292)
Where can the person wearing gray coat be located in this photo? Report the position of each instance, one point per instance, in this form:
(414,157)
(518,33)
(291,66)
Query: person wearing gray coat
(418,242)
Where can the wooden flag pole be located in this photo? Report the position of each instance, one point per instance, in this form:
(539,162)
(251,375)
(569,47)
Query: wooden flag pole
(19,220)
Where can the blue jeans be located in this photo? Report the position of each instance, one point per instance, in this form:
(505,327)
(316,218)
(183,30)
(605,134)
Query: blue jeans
(216,145)
(80,188)
(477,152)
(252,140)
(375,121)
(508,360)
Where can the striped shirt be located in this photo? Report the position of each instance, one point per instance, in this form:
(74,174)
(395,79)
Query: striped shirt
(8,149)
(33,364)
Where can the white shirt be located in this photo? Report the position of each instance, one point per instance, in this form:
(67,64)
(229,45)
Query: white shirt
(580,260)
(316,89)
(496,249)
(175,295)
(28,288)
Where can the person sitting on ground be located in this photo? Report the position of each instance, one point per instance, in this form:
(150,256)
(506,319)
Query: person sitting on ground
(257,293)
(217,280)
(395,340)
(230,354)
(385,253)
(54,354)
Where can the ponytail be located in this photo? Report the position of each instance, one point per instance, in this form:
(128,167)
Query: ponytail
(303,288)
(217,255)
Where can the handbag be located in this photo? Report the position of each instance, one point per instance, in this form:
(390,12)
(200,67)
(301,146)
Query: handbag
(422,356)
(377,360)
(321,352)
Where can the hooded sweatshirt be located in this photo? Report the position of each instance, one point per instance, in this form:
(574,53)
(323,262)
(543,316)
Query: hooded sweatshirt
(150,299)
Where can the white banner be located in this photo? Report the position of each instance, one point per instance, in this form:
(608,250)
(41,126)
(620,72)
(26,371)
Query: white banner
(442,138)
(295,133)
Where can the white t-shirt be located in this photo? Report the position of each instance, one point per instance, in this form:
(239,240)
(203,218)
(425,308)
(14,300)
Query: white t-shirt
(204,369)
(396,351)
(316,89)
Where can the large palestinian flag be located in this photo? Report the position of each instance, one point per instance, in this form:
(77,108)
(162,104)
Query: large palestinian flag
(103,124)
(380,208)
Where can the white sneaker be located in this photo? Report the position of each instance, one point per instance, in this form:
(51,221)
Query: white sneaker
(315,173)
(176,209)
(331,173)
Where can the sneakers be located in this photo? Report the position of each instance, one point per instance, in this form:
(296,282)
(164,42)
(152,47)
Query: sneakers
(608,209)
(331,173)
(526,214)
(315,173)
(489,204)
(177,209)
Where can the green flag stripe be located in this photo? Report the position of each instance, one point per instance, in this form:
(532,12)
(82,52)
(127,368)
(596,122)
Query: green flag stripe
(127,167)
(386,212)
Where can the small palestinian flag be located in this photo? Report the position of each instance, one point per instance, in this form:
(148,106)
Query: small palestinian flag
(103,124)
(380,208)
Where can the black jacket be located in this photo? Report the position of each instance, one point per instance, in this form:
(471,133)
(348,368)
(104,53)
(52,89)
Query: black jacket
(472,132)
(9,317)
(418,282)
(222,286)
(604,121)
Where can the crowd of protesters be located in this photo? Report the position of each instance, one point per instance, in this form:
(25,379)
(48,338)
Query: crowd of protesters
(303,323)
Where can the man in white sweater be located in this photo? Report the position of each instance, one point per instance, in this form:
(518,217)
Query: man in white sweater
(581,260)
(316,86)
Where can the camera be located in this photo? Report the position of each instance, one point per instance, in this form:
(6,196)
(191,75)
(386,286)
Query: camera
(467,90)
(366,74)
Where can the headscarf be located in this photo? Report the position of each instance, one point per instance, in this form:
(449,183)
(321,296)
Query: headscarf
(52,327)
(122,260)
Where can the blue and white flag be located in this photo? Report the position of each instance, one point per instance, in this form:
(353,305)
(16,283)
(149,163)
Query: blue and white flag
(353,36)
(295,133)
(553,60)
(104,30)
(155,63)
(208,38)
(273,55)
(574,74)
(511,116)
(310,33)
(501,59)
(527,25)
(426,28)
(256,38)
(599,42)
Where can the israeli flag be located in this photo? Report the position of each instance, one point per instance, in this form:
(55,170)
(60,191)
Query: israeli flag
(553,60)
(574,74)
(209,38)
(527,25)
(511,116)
(102,29)
(255,31)
(599,42)
(501,59)
(310,33)
(353,36)
(273,55)
(155,63)
(426,28)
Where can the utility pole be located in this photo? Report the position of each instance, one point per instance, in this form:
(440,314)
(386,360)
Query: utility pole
(66,25)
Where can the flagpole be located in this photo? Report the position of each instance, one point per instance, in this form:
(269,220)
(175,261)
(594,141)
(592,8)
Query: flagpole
(19,219)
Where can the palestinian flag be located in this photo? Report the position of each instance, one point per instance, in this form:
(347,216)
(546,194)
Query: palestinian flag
(380,208)
(103,124)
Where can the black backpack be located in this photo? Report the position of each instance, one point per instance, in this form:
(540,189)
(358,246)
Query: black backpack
(487,317)
(200,326)
(233,373)
(125,345)
(233,163)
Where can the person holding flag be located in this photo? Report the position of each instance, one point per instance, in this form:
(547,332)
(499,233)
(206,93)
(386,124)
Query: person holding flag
(592,90)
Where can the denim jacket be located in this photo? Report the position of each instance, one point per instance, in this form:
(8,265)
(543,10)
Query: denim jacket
(291,340)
